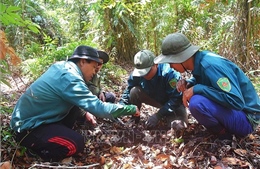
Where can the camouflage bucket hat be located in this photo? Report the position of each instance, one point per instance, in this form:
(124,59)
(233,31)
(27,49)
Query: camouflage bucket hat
(176,48)
(143,62)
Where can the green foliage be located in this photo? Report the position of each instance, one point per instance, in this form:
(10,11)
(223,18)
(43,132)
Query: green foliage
(41,60)
(123,27)
(32,50)
(9,16)
(255,78)
(115,26)
(6,132)
(4,72)
(33,68)
(111,75)
(7,136)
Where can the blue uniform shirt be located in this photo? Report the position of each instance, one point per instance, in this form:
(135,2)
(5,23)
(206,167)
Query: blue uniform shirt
(52,95)
(222,81)
(162,88)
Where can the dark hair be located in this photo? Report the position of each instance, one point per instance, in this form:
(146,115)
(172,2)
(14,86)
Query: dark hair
(76,60)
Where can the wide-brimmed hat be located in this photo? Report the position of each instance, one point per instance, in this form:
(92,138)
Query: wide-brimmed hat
(85,52)
(143,61)
(176,48)
(103,55)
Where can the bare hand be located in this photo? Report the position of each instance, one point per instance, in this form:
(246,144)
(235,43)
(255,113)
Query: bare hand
(91,118)
(187,94)
(102,97)
(181,85)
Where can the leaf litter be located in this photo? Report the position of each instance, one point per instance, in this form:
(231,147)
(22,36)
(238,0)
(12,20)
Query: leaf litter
(126,145)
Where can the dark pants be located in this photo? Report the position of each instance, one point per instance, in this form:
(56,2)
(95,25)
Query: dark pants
(53,142)
(138,96)
(110,97)
(219,119)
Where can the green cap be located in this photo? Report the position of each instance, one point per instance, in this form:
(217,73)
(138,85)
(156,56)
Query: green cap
(103,55)
(143,62)
(176,48)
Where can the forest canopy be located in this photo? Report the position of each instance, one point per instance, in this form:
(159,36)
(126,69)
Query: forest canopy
(49,30)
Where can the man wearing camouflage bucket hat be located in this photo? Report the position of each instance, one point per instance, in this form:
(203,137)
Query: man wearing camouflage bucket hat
(219,94)
(155,85)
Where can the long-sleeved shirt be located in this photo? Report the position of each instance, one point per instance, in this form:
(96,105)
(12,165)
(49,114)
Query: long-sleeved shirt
(222,81)
(162,88)
(52,95)
(94,85)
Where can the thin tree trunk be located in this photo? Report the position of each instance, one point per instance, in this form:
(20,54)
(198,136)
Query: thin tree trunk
(248,37)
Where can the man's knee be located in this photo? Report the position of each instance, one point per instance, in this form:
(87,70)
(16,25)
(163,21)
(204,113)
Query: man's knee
(134,96)
(195,101)
(59,148)
(197,104)
(135,92)
(110,97)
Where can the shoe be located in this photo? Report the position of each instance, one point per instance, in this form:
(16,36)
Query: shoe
(177,125)
(179,116)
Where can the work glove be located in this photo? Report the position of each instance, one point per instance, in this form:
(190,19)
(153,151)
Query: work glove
(152,121)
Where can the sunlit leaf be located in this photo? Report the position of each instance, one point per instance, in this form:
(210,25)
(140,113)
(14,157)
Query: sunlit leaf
(33,28)
(10,18)
(17,20)
(12,9)
(2,8)
(4,19)
(5,82)
(178,140)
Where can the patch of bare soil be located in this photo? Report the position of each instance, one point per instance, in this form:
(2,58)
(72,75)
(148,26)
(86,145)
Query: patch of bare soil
(126,144)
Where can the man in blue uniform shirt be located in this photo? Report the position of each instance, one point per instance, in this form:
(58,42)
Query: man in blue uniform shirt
(155,85)
(219,95)
(43,116)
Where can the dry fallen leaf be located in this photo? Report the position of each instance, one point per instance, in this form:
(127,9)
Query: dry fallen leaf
(217,167)
(240,152)
(116,150)
(5,165)
(194,152)
(167,164)
(127,166)
(213,160)
(235,161)
(102,160)
(162,157)
(67,160)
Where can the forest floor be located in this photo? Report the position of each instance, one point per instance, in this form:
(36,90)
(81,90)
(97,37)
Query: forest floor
(127,145)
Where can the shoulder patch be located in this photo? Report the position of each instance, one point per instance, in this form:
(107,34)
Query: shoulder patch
(224,84)
(173,83)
